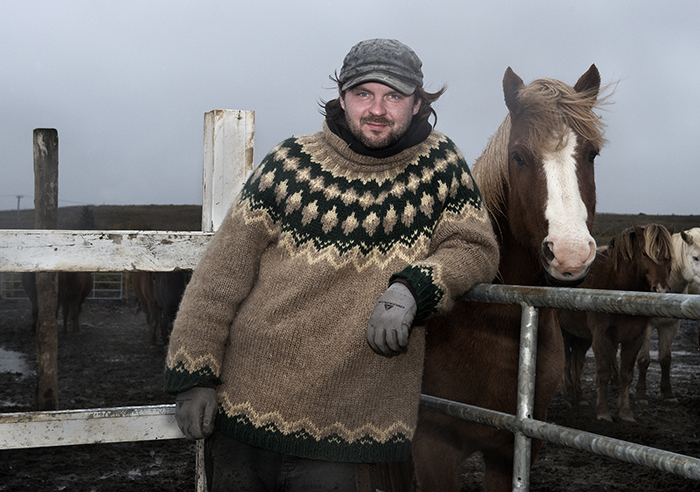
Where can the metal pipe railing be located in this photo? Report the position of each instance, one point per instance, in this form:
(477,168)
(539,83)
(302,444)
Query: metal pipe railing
(681,306)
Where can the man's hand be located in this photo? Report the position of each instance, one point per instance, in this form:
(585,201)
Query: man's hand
(195,411)
(390,321)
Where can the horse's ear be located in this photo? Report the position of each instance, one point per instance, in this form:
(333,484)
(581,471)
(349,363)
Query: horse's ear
(672,229)
(638,232)
(589,81)
(687,238)
(511,86)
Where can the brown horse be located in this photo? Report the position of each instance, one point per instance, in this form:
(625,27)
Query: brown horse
(159,295)
(537,179)
(637,259)
(73,289)
(143,288)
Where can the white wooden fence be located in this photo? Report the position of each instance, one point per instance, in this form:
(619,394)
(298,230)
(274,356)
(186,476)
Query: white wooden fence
(228,161)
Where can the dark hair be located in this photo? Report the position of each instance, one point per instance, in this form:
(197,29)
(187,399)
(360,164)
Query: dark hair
(334,112)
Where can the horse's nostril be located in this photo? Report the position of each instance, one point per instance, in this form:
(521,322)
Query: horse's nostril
(547,251)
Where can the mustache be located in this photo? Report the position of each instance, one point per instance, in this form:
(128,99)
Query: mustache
(377,119)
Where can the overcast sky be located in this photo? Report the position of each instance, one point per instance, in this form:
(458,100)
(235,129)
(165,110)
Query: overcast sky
(126,84)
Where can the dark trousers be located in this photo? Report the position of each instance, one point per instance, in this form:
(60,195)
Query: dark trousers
(231,466)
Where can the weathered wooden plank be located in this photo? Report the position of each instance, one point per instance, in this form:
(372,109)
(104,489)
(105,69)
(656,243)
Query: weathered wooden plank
(100,251)
(229,137)
(100,425)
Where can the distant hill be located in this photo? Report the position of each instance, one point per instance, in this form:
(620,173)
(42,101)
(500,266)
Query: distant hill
(608,225)
(189,218)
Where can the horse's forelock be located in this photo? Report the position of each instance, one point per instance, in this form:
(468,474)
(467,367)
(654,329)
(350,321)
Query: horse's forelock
(657,243)
(552,107)
(621,248)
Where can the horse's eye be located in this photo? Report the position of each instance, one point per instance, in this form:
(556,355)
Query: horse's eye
(695,258)
(592,155)
(518,159)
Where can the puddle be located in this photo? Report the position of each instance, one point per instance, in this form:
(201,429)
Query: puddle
(14,362)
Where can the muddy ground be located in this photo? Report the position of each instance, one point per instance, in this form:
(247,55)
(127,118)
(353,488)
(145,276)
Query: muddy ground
(110,364)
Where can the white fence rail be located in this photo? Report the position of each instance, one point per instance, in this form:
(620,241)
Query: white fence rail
(99,425)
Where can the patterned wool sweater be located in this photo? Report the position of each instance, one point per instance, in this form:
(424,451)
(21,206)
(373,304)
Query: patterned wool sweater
(277,309)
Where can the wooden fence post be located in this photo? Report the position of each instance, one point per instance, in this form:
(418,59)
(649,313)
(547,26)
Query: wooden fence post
(46,217)
(229,137)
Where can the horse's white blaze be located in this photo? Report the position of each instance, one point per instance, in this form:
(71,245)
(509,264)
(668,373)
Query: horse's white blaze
(569,240)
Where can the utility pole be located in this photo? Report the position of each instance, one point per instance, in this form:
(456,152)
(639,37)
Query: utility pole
(19,197)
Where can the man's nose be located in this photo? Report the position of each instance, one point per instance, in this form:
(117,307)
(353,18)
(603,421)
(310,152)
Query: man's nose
(377,108)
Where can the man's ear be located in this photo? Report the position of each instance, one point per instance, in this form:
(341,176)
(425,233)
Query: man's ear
(342,101)
(416,105)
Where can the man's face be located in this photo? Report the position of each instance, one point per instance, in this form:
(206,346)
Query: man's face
(378,115)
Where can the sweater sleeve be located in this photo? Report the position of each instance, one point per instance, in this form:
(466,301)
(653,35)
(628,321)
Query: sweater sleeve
(220,283)
(463,250)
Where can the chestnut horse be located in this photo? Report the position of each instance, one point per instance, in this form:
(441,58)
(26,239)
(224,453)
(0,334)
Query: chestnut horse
(159,295)
(685,271)
(637,259)
(537,179)
(73,288)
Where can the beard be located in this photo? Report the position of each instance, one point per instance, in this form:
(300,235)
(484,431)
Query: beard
(373,141)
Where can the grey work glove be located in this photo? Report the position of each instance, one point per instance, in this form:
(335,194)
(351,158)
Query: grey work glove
(391,319)
(195,411)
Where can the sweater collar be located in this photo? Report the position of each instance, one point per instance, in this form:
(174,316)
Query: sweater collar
(416,133)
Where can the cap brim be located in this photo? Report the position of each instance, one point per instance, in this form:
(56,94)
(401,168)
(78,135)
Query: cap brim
(395,83)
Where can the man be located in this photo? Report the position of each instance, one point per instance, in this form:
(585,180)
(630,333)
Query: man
(298,348)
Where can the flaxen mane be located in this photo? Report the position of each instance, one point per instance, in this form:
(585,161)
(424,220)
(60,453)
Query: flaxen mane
(657,244)
(548,104)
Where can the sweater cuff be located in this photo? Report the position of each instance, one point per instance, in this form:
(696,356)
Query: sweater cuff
(178,379)
(420,281)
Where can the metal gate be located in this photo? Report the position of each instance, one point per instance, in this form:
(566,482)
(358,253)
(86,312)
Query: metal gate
(105,286)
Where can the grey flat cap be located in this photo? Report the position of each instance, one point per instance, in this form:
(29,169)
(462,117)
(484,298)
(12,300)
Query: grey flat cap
(386,61)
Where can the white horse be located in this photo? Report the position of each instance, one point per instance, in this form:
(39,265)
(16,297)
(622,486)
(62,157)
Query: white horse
(685,272)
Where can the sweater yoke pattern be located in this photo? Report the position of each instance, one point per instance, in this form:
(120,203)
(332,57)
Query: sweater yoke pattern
(356,208)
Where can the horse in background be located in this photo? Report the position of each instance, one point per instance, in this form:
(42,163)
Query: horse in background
(142,283)
(73,289)
(537,179)
(159,295)
(168,289)
(685,271)
(637,259)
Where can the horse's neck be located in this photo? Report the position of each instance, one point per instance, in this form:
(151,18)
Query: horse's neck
(518,265)
(603,276)
(676,281)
